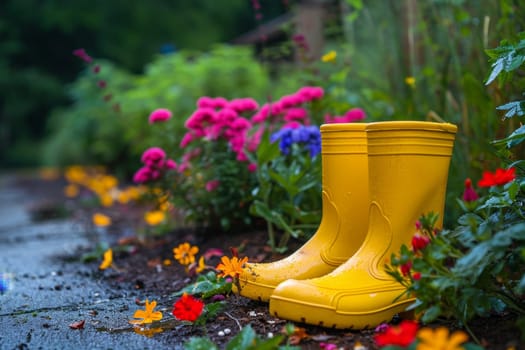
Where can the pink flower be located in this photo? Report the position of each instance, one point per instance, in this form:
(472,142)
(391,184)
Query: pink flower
(170,164)
(159,115)
(153,156)
(96,69)
(102,84)
(355,114)
(262,115)
(201,118)
(327,346)
(241,156)
(292,125)
(243,104)
(212,185)
(255,140)
(186,139)
(252,167)
(469,195)
(310,93)
(288,101)
(210,102)
(143,175)
(294,114)
(81,53)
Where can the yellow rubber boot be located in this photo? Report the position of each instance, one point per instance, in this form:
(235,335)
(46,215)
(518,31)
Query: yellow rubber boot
(344,221)
(408,166)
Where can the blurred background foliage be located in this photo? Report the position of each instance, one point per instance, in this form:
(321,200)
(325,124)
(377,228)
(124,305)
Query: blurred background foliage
(407,59)
(37,39)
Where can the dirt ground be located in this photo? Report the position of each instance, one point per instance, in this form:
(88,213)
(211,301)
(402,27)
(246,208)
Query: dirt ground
(141,269)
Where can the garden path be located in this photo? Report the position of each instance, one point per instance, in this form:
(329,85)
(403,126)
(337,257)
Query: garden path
(48,294)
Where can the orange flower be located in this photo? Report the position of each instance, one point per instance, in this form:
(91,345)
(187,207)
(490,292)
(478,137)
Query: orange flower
(231,267)
(440,339)
(147,332)
(185,253)
(108,259)
(101,220)
(147,315)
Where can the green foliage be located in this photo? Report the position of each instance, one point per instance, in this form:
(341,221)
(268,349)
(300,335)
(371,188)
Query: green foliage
(478,268)
(207,285)
(246,339)
(287,194)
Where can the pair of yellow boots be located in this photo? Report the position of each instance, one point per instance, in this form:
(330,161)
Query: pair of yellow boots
(378,178)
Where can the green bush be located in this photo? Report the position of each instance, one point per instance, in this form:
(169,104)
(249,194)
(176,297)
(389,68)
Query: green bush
(114,132)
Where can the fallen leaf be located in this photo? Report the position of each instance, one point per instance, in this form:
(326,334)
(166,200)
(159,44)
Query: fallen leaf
(77,325)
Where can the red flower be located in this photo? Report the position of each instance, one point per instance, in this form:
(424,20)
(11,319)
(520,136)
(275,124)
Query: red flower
(500,177)
(402,335)
(469,195)
(187,308)
(405,268)
(419,242)
(416,276)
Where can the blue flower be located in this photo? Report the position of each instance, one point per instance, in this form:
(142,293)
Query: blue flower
(308,136)
(5,282)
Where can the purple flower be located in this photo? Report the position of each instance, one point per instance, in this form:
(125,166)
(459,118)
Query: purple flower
(81,53)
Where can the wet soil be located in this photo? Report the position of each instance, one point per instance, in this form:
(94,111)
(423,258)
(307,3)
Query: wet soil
(142,273)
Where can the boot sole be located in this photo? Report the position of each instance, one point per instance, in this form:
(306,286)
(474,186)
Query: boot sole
(318,315)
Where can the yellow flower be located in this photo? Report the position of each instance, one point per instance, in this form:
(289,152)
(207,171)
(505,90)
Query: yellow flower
(410,81)
(166,262)
(329,57)
(106,200)
(75,174)
(71,191)
(155,217)
(185,253)
(231,267)
(108,259)
(101,220)
(440,339)
(147,315)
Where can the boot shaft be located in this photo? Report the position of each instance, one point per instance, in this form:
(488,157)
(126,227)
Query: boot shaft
(345,189)
(408,165)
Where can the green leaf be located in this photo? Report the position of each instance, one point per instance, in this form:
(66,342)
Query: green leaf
(244,340)
(200,344)
(514,108)
(207,286)
(431,314)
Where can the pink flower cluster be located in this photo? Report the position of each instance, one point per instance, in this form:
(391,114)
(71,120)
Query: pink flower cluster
(218,118)
(353,115)
(289,108)
(155,164)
